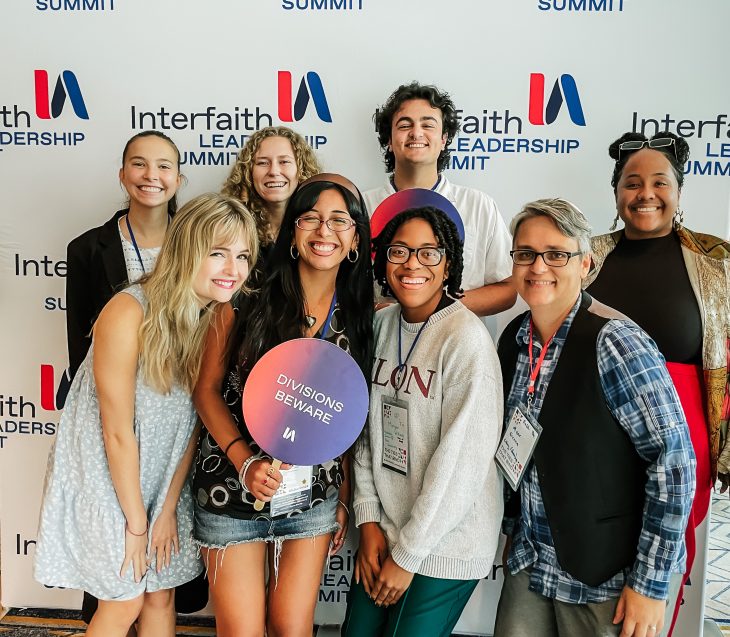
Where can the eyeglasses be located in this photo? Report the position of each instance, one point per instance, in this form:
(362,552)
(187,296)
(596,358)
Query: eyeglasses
(553,258)
(638,144)
(336,224)
(426,256)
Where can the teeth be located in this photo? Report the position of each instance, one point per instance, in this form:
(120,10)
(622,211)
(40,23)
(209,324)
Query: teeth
(647,209)
(413,281)
(541,283)
(416,145)
(224,284)
(275,184)
(150,188)
(323,247)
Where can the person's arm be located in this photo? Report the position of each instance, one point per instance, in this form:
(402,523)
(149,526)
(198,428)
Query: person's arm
(215,414)
(80,307)
(490,299)
(164,539)
(343,505)
(116,353)
(641,396)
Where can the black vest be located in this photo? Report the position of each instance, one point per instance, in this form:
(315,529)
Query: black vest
(591,478)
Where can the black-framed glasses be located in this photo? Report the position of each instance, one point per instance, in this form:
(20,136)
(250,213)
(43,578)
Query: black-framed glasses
(336,224)
(638,144)
(426,256)
(553,258)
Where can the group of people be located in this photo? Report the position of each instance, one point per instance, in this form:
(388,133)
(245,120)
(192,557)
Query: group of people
(611,391)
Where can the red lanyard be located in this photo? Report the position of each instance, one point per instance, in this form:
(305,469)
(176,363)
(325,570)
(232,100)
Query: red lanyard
(535,371)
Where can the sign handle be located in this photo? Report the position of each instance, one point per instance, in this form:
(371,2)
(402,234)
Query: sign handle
(259,504)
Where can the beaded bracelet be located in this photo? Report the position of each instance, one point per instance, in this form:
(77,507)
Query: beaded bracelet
(230,444)
(244,468)
(126,526)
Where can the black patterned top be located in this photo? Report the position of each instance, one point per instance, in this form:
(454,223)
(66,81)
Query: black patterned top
(215,480)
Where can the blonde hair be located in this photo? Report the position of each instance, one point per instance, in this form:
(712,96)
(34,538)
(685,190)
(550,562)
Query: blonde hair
(175,323)
(240,180)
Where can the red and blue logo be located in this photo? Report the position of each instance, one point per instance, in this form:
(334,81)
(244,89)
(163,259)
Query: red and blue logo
(564,90)
(310,88)
(66,86)
(52,397)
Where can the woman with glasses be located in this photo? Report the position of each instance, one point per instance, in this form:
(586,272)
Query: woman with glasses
(674,283)
(428,498)
(318,285)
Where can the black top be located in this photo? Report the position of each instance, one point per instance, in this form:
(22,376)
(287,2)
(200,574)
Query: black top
(647,280)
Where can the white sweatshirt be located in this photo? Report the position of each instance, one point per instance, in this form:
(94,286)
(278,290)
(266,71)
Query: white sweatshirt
(442,519)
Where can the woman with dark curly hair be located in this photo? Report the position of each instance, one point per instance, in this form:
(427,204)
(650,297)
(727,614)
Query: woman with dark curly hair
(674,283)
(268,169)
(318,284)
(428,498)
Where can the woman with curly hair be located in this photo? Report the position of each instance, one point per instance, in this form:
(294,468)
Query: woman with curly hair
(674,283)
(428,497)
(117,512)
(270,166)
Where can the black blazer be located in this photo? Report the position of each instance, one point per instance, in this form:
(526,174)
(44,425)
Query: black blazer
(95,272)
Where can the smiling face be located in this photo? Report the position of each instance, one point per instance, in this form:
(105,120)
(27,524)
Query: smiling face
(548,290)
(222,272)
(274,171)
(416,135)
(324,249)
(150,173)
(417,287)
(647,195)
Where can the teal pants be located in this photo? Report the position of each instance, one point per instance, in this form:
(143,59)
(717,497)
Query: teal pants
(429,608)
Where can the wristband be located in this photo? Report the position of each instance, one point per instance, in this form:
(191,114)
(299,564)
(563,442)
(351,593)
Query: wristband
(230,444)
(344,506)
(126,526)
(244,468)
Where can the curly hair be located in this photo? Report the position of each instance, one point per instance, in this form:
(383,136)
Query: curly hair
(239,183)
(383,118)
(447,235)
(677,154)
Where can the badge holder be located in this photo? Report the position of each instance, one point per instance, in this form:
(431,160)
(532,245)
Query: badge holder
(294,492)
(517,446)
(395,434)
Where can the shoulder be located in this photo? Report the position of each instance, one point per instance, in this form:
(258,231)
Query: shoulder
(385,318)
(705,244)
(123,312)
(375,196)
(465,195)
(95,237)
(465,334)
(624,341)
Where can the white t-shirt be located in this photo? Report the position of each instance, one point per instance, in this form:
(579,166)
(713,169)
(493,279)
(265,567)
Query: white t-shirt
(486,242)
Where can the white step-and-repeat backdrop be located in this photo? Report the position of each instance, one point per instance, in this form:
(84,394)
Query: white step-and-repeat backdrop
(79,77)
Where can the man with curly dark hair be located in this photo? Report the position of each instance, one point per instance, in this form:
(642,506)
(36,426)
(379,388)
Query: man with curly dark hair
(415,127)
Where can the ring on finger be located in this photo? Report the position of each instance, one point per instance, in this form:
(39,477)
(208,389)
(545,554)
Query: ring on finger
(270,471)
(266,481)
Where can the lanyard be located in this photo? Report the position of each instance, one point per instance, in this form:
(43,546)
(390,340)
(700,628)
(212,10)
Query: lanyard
(134,243)
(403,363)
(535,371)
(328,320)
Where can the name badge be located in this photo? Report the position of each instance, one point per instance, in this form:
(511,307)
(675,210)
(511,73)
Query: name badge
(395,434)
(517,446)
(294,492)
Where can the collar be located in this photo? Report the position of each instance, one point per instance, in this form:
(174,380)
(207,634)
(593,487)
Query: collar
(523,334)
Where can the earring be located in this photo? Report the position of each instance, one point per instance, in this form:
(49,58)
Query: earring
(349,255)
(678,219)
(615,222)
(294,252)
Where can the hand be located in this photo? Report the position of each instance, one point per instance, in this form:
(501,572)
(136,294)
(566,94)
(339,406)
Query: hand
(391,583)
(370,556)
(343,519)
(641,615)
(135,554)
(263,480)
(505,550)
(163,540)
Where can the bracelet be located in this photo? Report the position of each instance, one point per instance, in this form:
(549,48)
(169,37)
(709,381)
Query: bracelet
(344,506)
(244,468)
(230,444)
(126,527)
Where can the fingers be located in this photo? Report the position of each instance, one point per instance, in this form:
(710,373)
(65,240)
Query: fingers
(263,480)
(620,610)
(357,573)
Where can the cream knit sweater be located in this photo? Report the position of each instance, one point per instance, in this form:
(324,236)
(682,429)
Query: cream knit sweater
(443,519)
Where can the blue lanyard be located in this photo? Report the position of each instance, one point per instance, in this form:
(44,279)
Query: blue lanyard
(329,316)
(134,243)
(402,363)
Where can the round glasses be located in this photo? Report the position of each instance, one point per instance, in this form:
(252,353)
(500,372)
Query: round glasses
(426,256)
(554,258)
(336,224)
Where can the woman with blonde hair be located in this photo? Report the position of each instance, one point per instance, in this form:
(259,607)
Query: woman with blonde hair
(117,514)
(270,166)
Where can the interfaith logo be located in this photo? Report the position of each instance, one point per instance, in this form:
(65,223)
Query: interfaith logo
(49,106)
(564,91)
(292,109)
(53,397)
